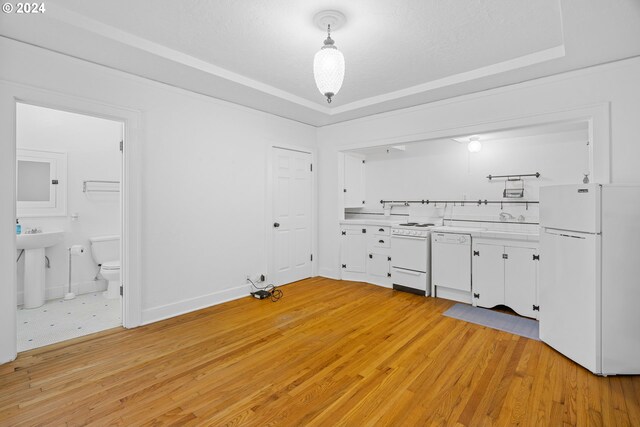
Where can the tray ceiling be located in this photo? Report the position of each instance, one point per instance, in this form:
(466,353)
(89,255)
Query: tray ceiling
(397,54)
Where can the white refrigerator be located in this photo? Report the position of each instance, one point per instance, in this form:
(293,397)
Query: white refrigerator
(589,289)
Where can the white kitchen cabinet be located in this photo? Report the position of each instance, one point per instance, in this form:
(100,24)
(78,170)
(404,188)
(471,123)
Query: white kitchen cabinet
(354,181)
(353,249)
(521,278)
(379,266)
(379,255)
(505,274)
(487,270)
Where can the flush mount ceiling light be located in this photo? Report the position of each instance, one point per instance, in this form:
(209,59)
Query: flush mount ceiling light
(474,144)
(328,63)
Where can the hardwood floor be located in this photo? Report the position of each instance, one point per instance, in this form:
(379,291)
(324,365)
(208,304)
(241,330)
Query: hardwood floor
(329,353)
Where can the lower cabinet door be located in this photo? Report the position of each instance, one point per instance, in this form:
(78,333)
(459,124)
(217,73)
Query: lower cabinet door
(487,275)
(520,271)
(378,265)
(353,251)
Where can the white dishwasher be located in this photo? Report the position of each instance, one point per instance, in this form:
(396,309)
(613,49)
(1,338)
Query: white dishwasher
(451,266)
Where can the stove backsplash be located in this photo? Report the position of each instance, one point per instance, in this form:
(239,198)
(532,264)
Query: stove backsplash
(519,218)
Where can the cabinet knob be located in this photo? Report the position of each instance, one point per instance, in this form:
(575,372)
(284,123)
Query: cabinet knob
(276,224)
(380,241)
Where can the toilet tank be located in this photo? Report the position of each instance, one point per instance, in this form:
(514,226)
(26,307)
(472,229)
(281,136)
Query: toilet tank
(105,248)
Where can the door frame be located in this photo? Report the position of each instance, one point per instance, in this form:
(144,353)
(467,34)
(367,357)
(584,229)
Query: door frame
(131,267)
(270,268)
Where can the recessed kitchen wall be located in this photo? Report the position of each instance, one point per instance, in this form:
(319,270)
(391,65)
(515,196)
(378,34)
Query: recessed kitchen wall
(92,146)
(444,169)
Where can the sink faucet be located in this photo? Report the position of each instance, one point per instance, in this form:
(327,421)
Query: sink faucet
(504,216)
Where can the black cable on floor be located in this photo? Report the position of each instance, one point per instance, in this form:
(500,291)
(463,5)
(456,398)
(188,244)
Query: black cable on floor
(274,293)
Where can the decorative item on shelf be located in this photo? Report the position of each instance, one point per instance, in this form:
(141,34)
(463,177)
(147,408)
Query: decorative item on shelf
(585,180)
(328,62)
(513,188)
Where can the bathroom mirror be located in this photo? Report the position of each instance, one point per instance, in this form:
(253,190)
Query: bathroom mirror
(34,181)
(40,183)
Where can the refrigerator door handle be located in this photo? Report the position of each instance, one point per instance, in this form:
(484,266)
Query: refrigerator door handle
(565,233)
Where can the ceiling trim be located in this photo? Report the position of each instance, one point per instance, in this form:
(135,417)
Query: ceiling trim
(489,70)
(80,21)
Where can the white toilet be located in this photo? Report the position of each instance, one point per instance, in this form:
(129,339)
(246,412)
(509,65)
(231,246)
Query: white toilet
(106,252)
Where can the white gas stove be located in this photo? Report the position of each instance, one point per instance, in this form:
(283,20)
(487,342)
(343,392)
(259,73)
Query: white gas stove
(411,257)
(414,229)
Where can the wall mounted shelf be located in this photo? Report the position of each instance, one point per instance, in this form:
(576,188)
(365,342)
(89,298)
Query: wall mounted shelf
(462,202)
(514,177)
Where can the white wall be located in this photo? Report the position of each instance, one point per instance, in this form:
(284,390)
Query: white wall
(444,169)
(613,85)
(203,181)
(93,153)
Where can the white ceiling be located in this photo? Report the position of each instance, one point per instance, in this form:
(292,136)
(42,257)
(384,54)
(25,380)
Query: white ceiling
(397,53)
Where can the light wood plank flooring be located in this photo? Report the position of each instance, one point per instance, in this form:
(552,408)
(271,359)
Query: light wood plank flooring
(329,353)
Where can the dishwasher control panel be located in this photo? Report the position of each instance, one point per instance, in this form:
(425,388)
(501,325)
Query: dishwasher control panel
(459,239)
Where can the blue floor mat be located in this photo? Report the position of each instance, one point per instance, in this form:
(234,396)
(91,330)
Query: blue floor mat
(493,319)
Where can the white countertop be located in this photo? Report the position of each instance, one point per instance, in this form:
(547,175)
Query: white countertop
(507,235)
(372,221)
(479,232)
(490,234)
(454,229)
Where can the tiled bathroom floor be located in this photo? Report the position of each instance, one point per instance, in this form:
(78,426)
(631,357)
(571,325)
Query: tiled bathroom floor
(59,320)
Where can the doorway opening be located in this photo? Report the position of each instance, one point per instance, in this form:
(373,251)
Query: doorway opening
(69,173)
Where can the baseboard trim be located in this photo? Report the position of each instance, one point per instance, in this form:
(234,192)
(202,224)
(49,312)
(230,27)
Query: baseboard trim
(57,292)
(329,273)
(156,314)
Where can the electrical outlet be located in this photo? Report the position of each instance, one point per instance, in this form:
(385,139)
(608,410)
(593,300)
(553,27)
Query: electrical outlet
(256,279)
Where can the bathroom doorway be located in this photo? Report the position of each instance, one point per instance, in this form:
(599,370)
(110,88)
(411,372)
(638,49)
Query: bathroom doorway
(69,175)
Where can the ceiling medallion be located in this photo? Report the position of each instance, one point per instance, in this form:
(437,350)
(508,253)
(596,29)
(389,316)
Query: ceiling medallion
(328,63)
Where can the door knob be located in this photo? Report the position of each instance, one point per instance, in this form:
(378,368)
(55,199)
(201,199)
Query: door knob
(276,224)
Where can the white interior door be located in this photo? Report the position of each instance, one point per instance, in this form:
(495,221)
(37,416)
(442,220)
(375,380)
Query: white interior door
(291,215)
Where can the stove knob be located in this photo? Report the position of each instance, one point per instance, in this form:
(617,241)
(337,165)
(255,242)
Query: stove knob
(414,233)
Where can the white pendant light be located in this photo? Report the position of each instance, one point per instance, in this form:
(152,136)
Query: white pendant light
(328,63)
(474,144)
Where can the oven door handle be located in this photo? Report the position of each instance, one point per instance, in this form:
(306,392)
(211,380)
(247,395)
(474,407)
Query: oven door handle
(406,271)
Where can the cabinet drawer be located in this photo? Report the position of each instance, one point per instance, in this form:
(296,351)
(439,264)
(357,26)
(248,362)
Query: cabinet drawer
(381,230)
(381,242)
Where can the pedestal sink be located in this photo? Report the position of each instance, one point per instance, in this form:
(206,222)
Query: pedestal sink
(33,245)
